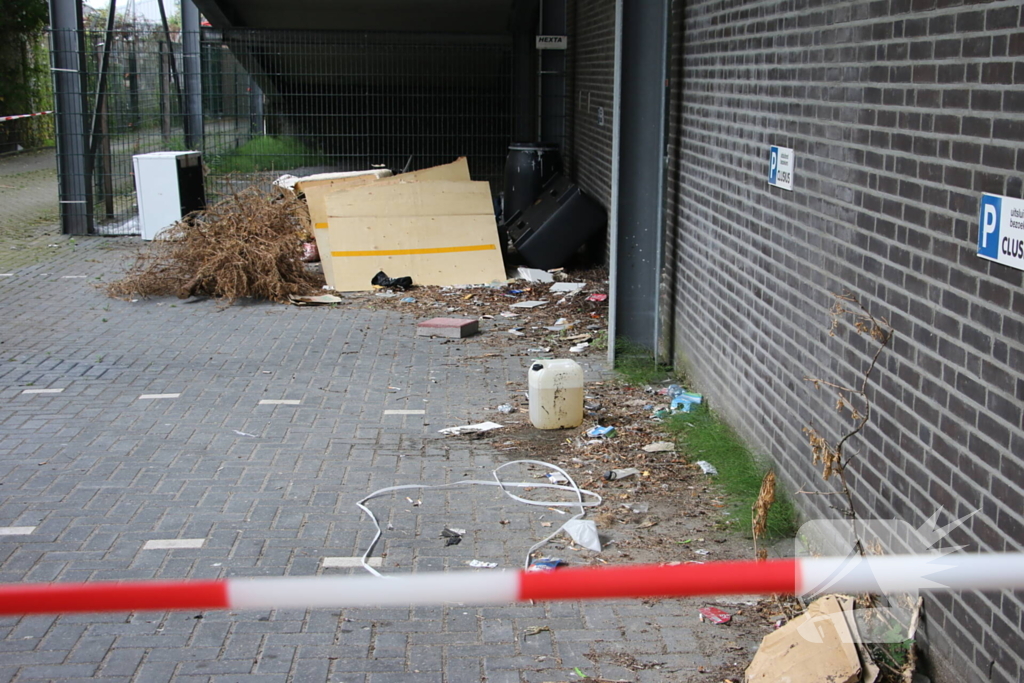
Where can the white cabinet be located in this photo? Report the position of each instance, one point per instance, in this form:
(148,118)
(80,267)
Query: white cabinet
(169,185)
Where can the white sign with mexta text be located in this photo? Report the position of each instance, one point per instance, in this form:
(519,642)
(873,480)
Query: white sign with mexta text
(1001,230)
(780,168)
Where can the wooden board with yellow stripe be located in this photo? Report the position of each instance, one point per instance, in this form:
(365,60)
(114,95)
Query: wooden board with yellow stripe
(437,232)
(316,191)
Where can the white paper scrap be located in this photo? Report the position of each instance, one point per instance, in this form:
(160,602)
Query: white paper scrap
(470,429)
(535,275)
(529,304)
(482,565)
(569,287)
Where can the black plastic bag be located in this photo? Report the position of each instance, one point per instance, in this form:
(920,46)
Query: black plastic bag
(400,283)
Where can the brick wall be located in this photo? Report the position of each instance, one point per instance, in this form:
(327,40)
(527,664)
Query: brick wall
(592,41)
(901,113)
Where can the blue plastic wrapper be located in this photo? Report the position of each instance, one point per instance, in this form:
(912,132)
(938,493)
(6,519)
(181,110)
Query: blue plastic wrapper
(600,432)
(545,564)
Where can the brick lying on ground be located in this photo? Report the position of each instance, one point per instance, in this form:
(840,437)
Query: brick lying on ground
(455,328)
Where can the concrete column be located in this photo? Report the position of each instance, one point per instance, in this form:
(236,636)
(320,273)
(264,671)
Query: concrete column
(67,59)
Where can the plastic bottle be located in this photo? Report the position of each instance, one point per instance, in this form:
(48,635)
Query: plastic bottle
(556,394)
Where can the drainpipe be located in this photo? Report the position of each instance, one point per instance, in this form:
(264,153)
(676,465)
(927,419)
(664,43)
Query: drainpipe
(613,214)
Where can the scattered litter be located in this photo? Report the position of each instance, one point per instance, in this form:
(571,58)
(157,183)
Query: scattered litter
(579,337)
(471,429)
(540,349)
(316,300)
(648,523)
(597,297)
(706,467)
(660,447)
(415,503)
(244,434)
(546,524)
(545,564)
(581,499)
(536,630)
(482,565)
(714,615)
(701,551)
(517,332)
(400,283)
(556,478)
(637,508)
(535,275)
(584,532)
(568,287)
(579,347)
(310,253)
(615,475)
(600,432)
(816,646)
(408,300)
(509,314)
(452,536)
(556,328)
(529,304)
(507,409)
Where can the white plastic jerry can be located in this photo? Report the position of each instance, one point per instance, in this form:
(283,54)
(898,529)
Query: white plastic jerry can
(556,394)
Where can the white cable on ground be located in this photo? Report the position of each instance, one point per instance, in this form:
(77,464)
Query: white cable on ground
(504,486)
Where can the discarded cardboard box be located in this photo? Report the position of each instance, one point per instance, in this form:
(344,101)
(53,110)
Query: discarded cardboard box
(437,232)
(816,647)
(317,188)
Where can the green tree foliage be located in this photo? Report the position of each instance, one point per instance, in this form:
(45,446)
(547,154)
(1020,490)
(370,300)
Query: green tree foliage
(24,77)
(22,17)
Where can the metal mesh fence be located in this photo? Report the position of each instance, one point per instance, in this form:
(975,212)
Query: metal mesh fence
(277,102)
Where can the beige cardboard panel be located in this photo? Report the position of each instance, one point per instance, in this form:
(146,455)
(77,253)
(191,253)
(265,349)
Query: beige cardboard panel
(359,233)
(429,198)
(353,273)
(469,246)
(317,190)
(457,170)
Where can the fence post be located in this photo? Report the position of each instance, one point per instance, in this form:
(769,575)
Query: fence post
(69,88)
(193,74)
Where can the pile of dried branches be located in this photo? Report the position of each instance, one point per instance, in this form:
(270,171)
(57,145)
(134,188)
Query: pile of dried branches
(247,245)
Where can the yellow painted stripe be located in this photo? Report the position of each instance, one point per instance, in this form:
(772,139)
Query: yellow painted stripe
(408,252)
(320,226)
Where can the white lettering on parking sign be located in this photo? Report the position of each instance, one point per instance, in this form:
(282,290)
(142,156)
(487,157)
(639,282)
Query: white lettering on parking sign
(780,168)
(1001,230)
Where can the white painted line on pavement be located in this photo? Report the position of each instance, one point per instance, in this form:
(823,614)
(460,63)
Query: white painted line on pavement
(42,391)
(405,412)
(171,543)
(72,277)
(146,396)
(339,562)
(16,530)
(277,402)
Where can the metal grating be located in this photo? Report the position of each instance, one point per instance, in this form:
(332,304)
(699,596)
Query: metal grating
(278,102)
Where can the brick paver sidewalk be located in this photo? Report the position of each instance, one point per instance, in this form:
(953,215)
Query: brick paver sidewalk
(96,471)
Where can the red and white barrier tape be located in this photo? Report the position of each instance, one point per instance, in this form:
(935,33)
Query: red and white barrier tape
(24,116)
(802,576)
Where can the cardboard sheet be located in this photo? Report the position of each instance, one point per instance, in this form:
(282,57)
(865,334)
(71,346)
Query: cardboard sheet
(317,189)
(437,232)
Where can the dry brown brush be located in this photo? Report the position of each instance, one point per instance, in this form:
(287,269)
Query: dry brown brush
(246,245)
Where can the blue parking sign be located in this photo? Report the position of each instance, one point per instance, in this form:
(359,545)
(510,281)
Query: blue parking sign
(988,226)
(773,167)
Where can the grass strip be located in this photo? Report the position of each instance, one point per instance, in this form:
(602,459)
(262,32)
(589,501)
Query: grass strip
(701,435)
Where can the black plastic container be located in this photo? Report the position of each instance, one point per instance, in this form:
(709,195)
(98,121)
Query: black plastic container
(528,167)
(556,225)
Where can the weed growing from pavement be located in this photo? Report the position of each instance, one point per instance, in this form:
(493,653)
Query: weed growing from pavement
(701,435)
